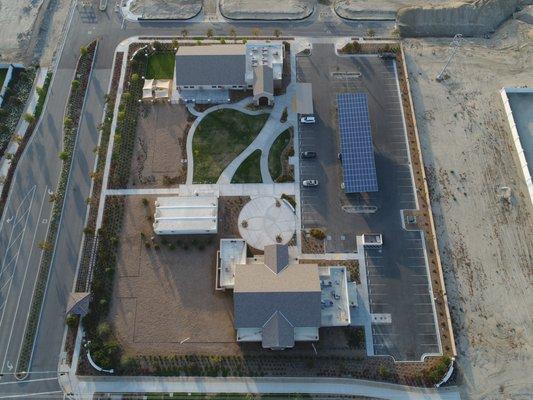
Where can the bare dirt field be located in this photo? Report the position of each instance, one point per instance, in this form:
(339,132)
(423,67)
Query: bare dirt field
(353,9)
(160,146)
(29,27)
(267,9)
(166,9)
(165,293)
(486,245)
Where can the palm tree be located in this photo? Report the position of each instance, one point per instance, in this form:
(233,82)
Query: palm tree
(233,33)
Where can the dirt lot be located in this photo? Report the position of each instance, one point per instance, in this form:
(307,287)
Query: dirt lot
(486,247)
(163,296)
(29,26)
(166,9)
(160,146)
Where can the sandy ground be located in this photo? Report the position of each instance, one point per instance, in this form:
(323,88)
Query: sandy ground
(160,146)
(29,26)
(364,8)
(169,9)
(486,246)
(267,9)
(164,296)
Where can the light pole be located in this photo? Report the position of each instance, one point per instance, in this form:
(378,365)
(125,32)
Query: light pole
(455,44)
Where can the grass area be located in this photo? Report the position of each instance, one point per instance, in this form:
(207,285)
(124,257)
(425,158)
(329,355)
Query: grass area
(250,170)
(275,163)
(3,73)
(221,136)
(160,66)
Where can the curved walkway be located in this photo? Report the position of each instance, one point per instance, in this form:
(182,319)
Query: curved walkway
(239,106)
(270,131)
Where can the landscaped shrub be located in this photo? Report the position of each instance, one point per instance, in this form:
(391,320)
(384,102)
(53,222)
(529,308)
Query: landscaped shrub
(318,233)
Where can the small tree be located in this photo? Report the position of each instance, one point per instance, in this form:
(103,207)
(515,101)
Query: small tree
(184,33)
(175,44)
(371,32)
(233,33)
(83,50)
(40,91)
(29,118)
(277,33)
(75,84)
(157,46)
(45,246)
(135,77)
(63,156)
(71,321)
(256,31)
(67,123)
(209,33)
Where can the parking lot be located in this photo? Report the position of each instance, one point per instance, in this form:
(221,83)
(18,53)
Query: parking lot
(397,273)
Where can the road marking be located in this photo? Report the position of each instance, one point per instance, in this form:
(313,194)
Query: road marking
(28,381)
(31,394)
(23,283)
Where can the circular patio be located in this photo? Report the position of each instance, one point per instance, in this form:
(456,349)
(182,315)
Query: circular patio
(266,220)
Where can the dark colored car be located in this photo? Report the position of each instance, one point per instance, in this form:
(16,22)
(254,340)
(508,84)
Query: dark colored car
(308,154)
(388,55)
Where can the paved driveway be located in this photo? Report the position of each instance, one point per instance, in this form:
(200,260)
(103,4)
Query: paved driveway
(397,274)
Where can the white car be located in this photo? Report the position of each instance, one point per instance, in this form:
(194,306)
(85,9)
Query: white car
(310,183)
(308,120)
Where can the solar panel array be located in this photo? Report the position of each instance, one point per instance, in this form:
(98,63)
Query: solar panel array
(359,168)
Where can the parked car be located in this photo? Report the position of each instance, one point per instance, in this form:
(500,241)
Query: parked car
(308,120)
(308,154)
(388,55)
(310,183)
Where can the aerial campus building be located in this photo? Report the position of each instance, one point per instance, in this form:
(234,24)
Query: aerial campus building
(206,74)
(279,301)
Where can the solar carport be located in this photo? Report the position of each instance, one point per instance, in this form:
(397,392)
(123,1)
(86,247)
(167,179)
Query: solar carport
(358,164)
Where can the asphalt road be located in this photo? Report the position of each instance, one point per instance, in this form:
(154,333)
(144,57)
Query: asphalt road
(25,221)
(397,273)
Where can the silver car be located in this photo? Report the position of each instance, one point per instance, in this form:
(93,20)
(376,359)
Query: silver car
(310,183)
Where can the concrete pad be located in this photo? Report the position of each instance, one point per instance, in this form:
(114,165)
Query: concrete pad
(266,218)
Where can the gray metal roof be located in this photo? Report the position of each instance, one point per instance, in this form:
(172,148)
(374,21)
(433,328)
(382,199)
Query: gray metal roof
(276,257)
(263,80)
(210,65)
(278,332)
(261,290)
(252,310)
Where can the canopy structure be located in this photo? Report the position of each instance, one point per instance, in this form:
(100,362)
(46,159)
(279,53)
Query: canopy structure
(156,89)
(186,215)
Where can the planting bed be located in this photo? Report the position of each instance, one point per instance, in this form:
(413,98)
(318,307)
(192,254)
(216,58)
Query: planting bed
(15,99)
(278,157)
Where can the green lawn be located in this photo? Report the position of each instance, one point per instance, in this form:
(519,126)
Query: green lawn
(250,170)
(160,66)
(274,156)
(3,73)
(221,136)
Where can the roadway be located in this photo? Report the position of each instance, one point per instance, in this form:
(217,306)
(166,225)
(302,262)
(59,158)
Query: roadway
(26,217)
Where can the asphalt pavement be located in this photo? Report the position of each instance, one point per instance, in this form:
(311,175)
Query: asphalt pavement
(397,273)
(25,221)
